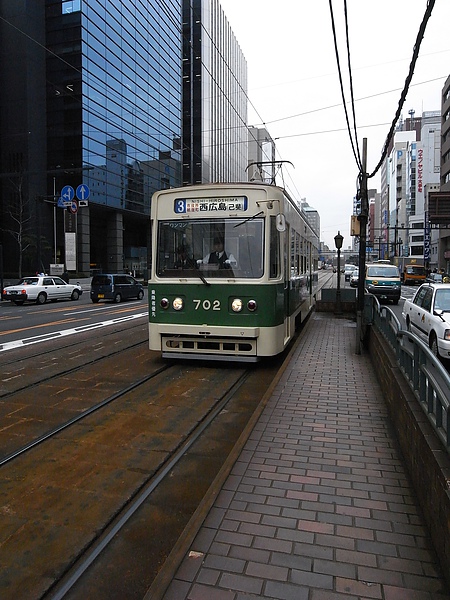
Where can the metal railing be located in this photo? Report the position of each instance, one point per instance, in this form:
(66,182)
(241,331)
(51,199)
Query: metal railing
(425,374)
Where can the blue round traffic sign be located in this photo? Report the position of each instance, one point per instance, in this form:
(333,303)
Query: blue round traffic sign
(67,193)
(83,192)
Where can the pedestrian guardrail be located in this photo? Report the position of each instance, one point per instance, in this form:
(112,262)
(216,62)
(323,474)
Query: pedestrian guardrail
(424,372)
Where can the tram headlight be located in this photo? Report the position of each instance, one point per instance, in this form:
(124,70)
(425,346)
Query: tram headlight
(236,305)
(164,303)
(251,305)
(177,303)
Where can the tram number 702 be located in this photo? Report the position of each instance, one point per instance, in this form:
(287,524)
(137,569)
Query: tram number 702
(206,304)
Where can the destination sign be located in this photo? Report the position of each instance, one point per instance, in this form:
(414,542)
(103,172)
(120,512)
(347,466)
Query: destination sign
(210,205)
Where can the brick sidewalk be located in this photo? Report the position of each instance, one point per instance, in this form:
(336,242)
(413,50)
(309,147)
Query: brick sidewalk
(318,505)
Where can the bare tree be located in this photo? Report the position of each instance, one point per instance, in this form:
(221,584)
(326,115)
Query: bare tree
(20,218)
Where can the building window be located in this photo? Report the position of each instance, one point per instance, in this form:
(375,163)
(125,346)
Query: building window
(70,6)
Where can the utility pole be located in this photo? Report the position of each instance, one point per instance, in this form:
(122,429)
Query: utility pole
(362,218)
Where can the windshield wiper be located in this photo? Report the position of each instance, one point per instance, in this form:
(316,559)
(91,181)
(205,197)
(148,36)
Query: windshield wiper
(203,279)
(261,212)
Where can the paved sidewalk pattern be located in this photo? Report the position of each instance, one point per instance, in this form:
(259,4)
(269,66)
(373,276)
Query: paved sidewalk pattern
(318,505)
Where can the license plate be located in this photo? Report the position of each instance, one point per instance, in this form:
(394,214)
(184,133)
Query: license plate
(101,295)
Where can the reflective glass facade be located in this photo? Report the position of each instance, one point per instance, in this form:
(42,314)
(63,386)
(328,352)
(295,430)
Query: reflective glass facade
(114,104)
(214,96)
(114,118)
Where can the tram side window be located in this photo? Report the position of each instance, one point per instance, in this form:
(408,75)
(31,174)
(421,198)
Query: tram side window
(274,250)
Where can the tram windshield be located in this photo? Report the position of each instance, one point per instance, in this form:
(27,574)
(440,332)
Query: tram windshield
(210,248)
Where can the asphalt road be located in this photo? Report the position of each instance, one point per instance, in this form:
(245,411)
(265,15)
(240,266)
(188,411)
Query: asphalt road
(32,323)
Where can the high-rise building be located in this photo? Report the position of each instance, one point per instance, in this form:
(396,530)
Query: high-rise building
(214,97)
(91,107)
(413,162)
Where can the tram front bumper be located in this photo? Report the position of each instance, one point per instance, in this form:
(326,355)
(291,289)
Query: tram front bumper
(205,342)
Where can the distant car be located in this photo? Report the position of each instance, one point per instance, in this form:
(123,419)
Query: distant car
(348,270)
(40,288)
(435,278)
(115,287)
(354,278)
(428,316)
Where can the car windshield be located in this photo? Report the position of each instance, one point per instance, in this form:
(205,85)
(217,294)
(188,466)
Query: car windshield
(415,270)
(442,300)
(210,248)
(101,280)
(382,271)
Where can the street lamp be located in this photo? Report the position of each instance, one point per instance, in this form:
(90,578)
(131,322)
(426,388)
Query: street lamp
(338,239)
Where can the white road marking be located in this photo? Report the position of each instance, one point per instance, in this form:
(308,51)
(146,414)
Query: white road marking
(57,334)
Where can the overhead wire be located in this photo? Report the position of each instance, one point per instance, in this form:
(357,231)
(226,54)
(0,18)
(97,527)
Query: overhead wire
(408,79)
(315,110)
(354,144)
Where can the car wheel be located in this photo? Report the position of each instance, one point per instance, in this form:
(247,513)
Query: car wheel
(75,295)
(140,295)
(41,299)
(395,301)
(94,300)
(117,298)
(433,345)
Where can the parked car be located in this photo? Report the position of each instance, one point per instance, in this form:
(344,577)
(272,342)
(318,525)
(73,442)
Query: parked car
(427,315)
(115,287)
(348,270)
(41,288)
(354,278)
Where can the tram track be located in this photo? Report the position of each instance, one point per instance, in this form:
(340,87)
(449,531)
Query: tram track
(67,583)
(63,426)
(134,442)
(53,354)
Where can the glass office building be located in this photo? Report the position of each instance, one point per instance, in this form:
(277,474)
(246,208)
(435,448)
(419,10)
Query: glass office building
(108,89)
(214,97)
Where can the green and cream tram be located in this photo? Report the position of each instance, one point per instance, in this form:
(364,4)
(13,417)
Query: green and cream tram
(234,271)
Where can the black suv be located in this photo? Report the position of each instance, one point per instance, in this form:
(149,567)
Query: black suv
(115,287)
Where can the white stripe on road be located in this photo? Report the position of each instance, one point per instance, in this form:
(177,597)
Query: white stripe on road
(57,334)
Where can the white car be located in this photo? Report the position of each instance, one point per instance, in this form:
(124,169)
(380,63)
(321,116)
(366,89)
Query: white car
(348,270)
(428,315)
(40,288)
(354,278)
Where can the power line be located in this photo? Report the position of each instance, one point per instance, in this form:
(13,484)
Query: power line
(419,39)
(315,110)
(353,144)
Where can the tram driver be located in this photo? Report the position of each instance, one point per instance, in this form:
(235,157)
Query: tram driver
(218,256)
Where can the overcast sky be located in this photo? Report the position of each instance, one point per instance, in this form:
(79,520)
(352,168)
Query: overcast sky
(294,86)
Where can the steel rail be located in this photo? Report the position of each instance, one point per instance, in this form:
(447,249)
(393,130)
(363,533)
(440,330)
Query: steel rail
(82,415)
(67,582)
